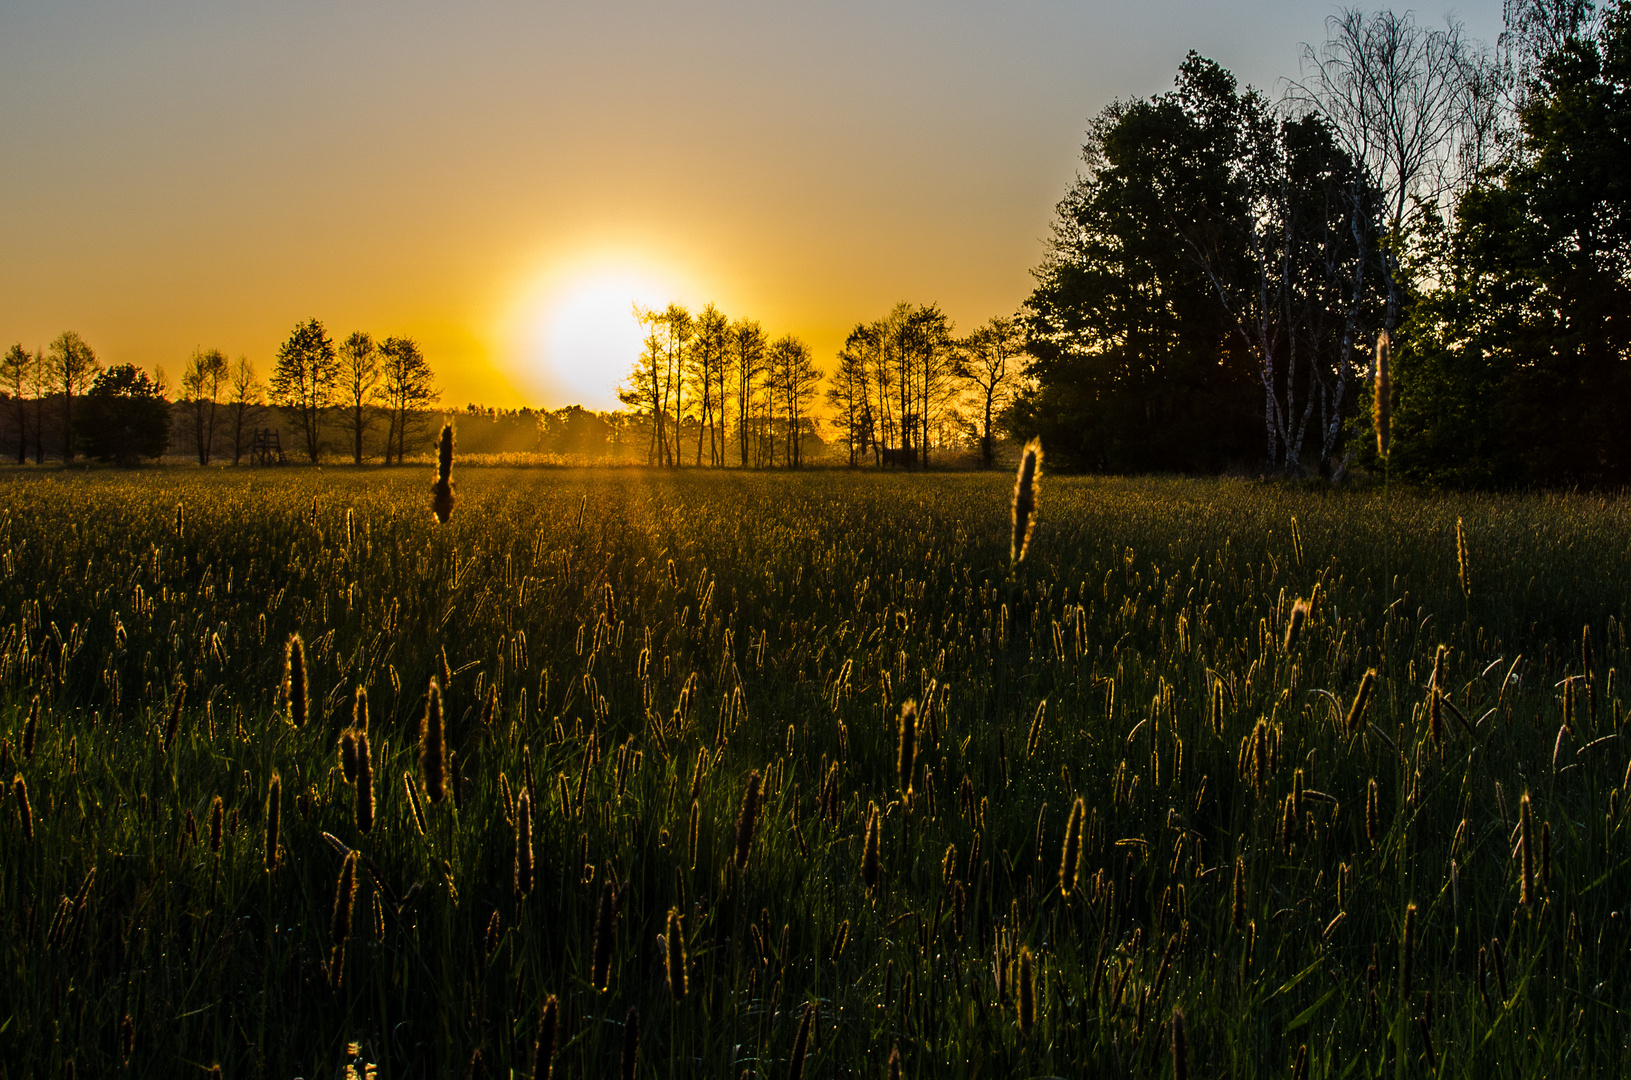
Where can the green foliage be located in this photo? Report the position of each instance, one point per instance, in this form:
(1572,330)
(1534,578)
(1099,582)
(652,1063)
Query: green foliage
(1512,367)
(1134,358)
(1206,286)
(124,418)
(624,646)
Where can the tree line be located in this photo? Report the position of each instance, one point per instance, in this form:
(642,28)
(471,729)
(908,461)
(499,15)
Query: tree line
(61,400)
(1232,278)
(719,391)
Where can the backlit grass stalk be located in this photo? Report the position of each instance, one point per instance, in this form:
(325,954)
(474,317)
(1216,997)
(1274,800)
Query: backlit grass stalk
(1070,857)
(25,809)
(1025,493)
(523,844)
(747,819)
(172,724)
(906,757)
(294,680)
(274,820)
(543,1047)
(433,746)
(441,502)
(674,961)
(1384,393)
(363,813)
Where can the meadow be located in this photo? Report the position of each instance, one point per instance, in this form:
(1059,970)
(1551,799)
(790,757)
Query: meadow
(750,775)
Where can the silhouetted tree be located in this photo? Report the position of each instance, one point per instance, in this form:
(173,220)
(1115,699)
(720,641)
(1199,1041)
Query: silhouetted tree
(793,377)
(643,391)
(16,372)
(303,381)
(359,384)
(849,393)
(125,417)
(989,365)
(245,405)
(1137,365)
(1512,365)
(748,345)
(407,385)
(709,353)
(71,367)
(1416,108)
(201,383)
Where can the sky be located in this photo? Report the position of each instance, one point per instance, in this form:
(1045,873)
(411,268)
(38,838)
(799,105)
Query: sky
(502,180)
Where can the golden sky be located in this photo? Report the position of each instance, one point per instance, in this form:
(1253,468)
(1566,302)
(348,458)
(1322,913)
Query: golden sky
(490,178)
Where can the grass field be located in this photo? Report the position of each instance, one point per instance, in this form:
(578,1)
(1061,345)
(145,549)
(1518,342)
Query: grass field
(1438,885)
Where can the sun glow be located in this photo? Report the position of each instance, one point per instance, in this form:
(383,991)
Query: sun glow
(580,336)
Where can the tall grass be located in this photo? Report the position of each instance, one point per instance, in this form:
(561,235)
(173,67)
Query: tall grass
(671,710)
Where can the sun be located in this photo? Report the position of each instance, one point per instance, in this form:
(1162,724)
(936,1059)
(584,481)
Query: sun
(581,334)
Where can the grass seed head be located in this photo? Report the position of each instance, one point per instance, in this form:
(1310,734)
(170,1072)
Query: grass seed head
(1027,992)
(674,955)
(869,851)
(416,806)
(25,810)
(1407,966)
(359,710)
(1463,567)
(441,502)
(1356,712)
(906,760)
(348,755)
(631,1044)
(294,679)
(172,725)
(30,728)
(1526,841)
(1239,916)
(1070,858)
(274,816)
(433,746)
(747,819)
(523,844)
(364,814)
(543,1050)
(1384,393)
(345,895)
(1294,625)
(801,1042)
(1025,492)
(217,814)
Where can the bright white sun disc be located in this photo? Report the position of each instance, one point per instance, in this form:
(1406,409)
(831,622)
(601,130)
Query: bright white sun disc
(589,337)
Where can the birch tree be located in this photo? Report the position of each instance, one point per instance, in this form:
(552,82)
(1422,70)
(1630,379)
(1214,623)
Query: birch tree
(201,383)
(359,381)
(988,365)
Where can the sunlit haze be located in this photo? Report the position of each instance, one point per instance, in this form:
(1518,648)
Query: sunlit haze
(501,180)
(577,334)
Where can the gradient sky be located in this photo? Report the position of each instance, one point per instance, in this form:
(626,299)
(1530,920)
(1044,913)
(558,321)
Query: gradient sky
(493,178)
